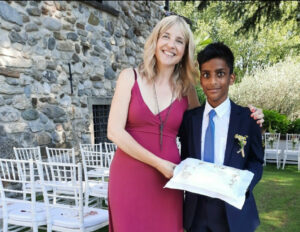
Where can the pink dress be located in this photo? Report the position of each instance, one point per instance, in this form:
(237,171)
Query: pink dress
(137,200)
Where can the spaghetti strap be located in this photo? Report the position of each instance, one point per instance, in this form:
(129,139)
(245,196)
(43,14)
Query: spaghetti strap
(135,75)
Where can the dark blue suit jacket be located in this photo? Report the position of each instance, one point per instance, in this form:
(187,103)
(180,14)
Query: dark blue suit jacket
(240,123)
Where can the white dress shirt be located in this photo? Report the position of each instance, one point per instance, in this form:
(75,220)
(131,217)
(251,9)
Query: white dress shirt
(221,121)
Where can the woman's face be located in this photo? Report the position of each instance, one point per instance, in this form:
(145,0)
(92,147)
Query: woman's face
(170,47)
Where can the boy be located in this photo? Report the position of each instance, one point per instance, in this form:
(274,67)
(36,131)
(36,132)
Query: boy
(208,133)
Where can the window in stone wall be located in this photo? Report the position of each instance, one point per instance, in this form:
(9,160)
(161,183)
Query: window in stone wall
(100,118)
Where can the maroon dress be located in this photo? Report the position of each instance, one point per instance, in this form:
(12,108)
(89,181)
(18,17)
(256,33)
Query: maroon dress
(137,200)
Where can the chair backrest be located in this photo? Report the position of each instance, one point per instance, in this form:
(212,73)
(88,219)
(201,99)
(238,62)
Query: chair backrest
(272,140)
(92,147)
(13,178)
(110,147)
(61,155)
(57,175)
(99,159)
(292,142)
(28,153)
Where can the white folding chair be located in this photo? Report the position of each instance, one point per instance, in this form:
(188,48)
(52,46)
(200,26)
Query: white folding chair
(96,172)
(97,154)
(13,228)
(110,147)
(92,147)
(272,151)
(30,153)
(291,153)
(61,155)
(17,210)
(68,214)
(178,143)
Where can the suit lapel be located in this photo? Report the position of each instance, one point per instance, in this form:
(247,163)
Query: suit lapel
(234,123)
(197,131)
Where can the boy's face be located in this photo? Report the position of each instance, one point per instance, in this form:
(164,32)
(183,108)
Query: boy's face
(215,80)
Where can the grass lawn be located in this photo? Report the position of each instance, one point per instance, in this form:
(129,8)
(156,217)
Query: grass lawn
(278,199)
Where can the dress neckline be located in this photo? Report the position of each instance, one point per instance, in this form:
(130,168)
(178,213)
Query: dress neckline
(141,96)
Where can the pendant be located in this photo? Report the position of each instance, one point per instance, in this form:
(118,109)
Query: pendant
(161,128)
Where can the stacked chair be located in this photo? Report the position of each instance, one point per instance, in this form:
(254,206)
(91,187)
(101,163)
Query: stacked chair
(66,212)
(17,210)
(291,153)
(272,151)
(60,155)
(96,160)
(51,193)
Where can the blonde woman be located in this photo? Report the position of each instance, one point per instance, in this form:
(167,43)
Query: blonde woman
(145,115)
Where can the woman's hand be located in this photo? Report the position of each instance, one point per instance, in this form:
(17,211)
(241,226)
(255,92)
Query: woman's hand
(166,168)
(257,114)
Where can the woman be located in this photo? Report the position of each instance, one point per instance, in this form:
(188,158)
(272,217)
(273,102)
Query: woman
(144,119)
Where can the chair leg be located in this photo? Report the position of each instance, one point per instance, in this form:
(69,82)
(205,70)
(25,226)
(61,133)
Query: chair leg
(35,228)
(283,163)
(86,199)
(278,161)
(49,228)
(55,194)
(5,225)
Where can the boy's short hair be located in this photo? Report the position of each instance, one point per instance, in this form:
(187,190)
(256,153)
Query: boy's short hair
(216,50)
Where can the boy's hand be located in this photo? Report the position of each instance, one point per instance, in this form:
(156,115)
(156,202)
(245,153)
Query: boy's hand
(257,114)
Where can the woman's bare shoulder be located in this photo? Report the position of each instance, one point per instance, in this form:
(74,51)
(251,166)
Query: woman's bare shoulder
(126,77)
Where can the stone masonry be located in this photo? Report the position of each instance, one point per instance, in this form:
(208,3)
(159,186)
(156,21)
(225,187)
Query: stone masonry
(38,39)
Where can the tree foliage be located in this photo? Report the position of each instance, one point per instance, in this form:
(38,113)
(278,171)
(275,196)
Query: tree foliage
(255,15)
(272,38)
(275,87)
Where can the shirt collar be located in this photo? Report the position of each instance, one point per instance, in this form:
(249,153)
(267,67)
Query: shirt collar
(221,110)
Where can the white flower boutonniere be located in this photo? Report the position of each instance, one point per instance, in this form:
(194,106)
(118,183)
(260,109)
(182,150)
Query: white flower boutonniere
(271,140)
(242,142)
(295,141)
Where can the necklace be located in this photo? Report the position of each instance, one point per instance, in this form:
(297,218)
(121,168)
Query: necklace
(162,122)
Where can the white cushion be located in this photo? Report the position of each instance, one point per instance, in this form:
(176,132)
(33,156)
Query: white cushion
(69,218)
(10,206)
(37,185)
(66,186)
(217,181)
(22,212)
(98,172)
(98,188)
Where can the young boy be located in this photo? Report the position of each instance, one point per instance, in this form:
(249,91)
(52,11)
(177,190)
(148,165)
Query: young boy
(208,133)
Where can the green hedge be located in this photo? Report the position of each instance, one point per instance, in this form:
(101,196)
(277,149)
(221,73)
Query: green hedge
(276,122)
(201,95)
(294,127)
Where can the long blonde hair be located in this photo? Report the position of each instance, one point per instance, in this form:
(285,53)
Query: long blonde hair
(185,71)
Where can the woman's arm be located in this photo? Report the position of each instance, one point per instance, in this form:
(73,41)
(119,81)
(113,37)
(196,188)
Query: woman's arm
(116,127)
(193,98)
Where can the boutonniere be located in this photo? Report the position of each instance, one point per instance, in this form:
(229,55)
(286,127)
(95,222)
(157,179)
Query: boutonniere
(295,141)
(242,142)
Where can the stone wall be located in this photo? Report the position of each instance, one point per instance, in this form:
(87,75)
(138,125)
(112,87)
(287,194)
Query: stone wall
(38,39)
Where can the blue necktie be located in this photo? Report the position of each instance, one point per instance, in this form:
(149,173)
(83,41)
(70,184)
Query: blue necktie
(209,142)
